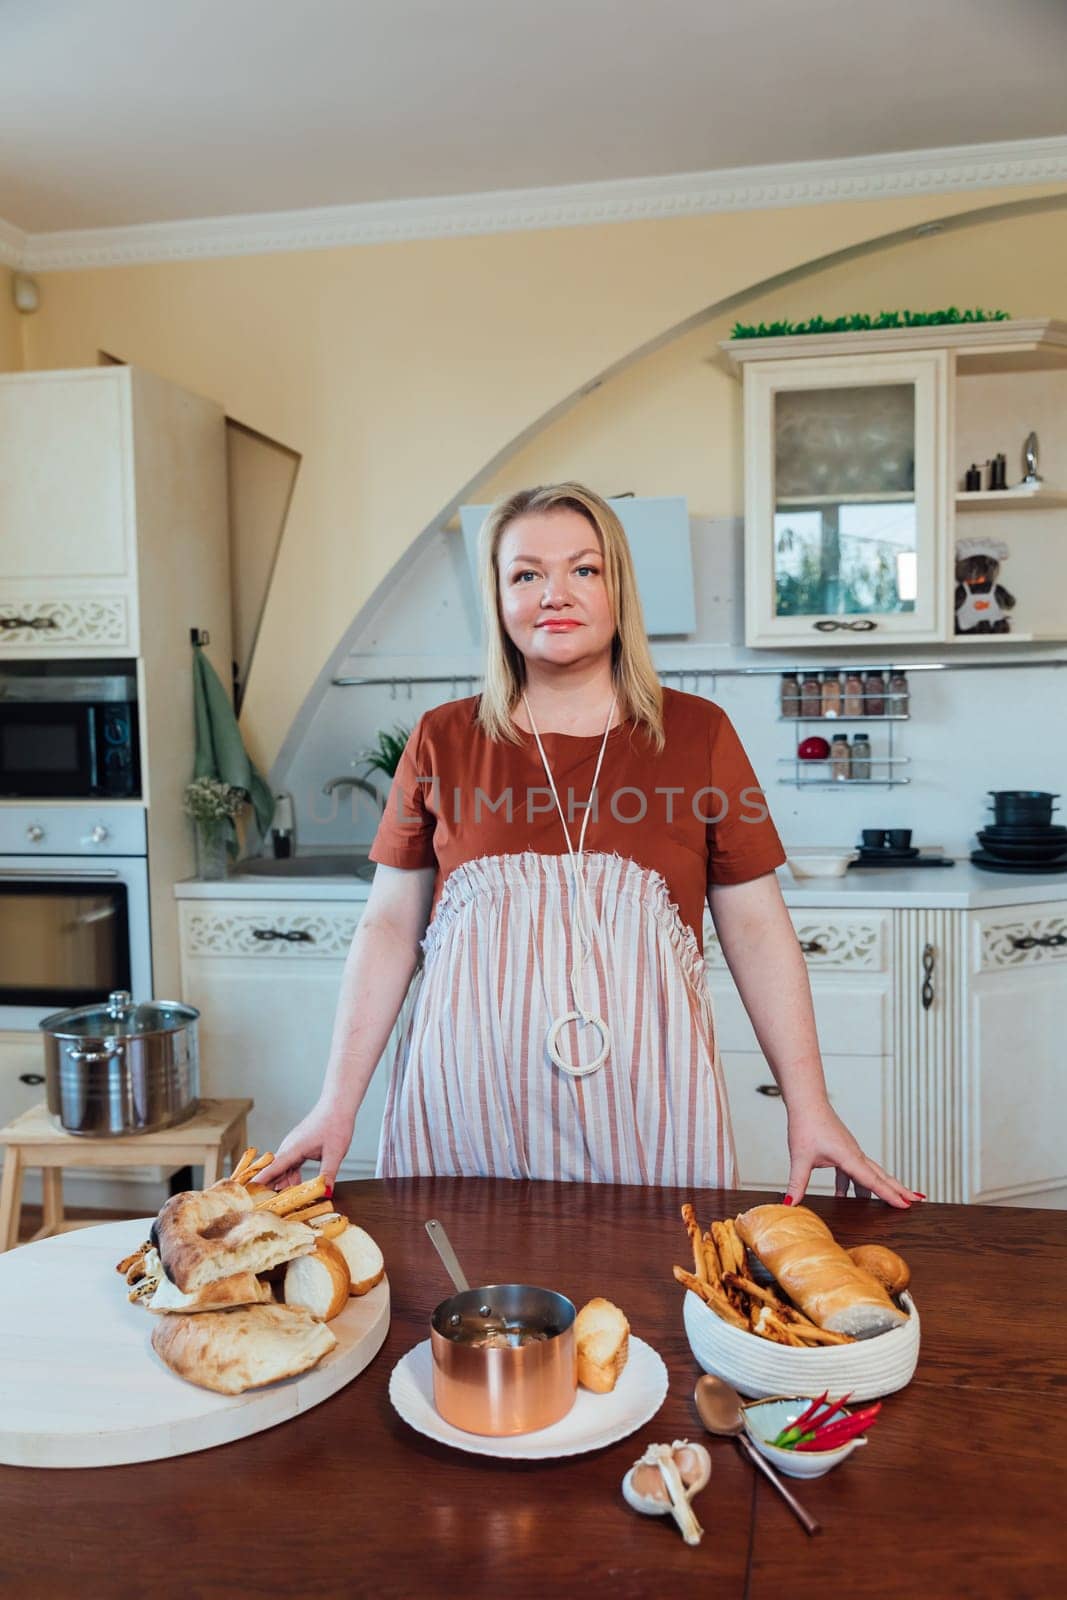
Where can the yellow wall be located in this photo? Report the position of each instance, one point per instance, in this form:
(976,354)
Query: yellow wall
(399,371)
(10,341)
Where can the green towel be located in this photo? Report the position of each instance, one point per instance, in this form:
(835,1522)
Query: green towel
(220,751)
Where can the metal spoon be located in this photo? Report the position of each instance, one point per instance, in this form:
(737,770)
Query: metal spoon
(443,1245)
(720,1411)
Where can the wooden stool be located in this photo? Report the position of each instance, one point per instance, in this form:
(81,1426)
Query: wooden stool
(218,1129)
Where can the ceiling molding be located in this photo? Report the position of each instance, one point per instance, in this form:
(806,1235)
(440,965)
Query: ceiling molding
(878,177)
(12,244)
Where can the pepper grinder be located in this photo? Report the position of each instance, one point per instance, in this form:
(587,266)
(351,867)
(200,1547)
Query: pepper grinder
(998,472)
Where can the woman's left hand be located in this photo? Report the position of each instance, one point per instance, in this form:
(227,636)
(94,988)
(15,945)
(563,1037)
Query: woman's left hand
(818,1138)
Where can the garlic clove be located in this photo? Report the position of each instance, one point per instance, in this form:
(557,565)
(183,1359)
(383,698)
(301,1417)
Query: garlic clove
(694,1464)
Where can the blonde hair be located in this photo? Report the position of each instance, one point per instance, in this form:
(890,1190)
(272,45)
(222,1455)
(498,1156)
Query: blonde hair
(637,687)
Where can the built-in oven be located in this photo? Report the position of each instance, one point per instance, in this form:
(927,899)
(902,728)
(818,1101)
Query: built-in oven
(74,910)
(69,730)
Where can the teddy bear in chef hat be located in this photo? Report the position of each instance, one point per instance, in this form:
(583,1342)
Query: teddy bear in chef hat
(982,604)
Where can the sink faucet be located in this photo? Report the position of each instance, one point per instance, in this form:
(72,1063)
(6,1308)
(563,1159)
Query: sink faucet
(355,783)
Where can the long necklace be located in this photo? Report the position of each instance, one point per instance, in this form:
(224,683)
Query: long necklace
(583,945)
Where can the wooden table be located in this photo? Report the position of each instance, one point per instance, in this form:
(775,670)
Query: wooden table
(217,1129)
(958,1496)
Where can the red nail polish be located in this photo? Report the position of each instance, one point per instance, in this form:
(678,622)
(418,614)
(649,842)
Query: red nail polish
(329,1192)
(788,1201)
(915,1192)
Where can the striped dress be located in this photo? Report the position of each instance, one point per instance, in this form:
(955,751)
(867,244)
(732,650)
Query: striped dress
(473,1090)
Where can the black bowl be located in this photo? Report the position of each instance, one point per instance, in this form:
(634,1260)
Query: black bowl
(1019,833)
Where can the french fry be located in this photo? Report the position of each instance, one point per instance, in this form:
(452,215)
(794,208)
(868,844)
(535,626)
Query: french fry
(755,1291)
(131,1260)
(242,1165)
(724,1245)
(712,1297)
(692,1228)
(816,1335)
(301,1195)
(255,1167)
(737,1248)
(711,1258)
(321,1208)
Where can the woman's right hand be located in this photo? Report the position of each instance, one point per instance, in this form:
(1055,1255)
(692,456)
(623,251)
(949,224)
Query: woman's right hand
(324,1136)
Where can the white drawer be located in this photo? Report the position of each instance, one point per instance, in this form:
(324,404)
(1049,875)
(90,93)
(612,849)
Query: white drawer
(1033,937)
(856,1086)
(66,828)
(268,930)
(86,623)
(850,1021)
(832,941)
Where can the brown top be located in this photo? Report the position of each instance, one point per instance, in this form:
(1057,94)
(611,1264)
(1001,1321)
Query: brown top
(693,813)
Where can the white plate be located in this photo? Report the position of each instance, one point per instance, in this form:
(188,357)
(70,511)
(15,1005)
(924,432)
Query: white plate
(593,1421)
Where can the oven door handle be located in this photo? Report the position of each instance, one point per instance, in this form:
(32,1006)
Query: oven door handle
(58,872)
(96,1055)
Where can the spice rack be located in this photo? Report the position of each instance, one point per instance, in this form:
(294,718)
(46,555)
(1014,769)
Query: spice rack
(883,770)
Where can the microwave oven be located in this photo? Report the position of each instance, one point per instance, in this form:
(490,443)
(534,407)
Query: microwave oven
(68,735)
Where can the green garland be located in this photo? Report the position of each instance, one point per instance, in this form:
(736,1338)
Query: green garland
(862,322)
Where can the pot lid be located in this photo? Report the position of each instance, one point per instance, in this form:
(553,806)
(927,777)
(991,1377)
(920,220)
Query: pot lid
(120,1018)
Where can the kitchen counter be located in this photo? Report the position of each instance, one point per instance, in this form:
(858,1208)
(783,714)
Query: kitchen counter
(963,887)
(958,1492)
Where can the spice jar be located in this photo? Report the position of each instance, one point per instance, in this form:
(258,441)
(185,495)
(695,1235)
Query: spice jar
(853,698)
(811,696)
(789,695)
(840,759)
(831,694)
(874,695)
(861,756)
(899,696)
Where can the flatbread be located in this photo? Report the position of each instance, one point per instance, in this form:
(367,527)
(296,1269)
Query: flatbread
(231,1351)
(242,1289)
(207,1234)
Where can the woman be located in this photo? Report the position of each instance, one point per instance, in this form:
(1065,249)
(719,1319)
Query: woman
(550,846)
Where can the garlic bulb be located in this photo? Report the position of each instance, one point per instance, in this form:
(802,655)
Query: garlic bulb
(665,1479)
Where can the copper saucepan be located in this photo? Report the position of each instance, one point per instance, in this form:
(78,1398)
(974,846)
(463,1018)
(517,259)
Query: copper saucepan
(504,1357)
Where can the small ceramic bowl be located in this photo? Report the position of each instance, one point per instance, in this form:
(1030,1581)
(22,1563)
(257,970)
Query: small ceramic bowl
(810,861)
(764,1421)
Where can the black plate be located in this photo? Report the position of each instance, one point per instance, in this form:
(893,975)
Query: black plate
(878,853)
(1027,835)
(989,864)
(1022,852)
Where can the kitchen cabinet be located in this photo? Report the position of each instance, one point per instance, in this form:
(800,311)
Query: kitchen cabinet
(848,959)
(856,447)
(266,978)
(1016,1146)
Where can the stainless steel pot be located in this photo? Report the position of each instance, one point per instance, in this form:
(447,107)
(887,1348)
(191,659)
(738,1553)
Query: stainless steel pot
(121,1068)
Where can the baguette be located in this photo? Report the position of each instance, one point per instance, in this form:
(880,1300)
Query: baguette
(799,1250)
(318,1282)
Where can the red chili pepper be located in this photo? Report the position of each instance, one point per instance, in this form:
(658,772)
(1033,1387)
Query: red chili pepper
(841,1431)
(812,1409)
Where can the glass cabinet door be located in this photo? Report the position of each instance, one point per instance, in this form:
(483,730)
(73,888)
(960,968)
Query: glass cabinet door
(841,498)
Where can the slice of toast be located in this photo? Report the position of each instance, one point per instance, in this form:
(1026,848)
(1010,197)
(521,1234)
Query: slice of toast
(602,1335)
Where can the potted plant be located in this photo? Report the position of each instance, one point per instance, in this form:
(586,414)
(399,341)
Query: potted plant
(213,806)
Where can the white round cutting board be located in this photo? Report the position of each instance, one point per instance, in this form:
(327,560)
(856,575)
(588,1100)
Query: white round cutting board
(81,1386)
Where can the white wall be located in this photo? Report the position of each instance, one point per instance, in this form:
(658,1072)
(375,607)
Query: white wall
(970,731)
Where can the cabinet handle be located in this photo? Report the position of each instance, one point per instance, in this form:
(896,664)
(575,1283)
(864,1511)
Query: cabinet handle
(856,625)
(1050,941)
(771,1090)
(31,1077)
(10,623)
(928,976)
(812,947)
(290,935)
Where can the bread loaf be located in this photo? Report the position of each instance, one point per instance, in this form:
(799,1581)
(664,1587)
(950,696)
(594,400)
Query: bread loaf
(205,1234)
(799,1250)
(366,1266)
(883,1264)
(602,1335)
(231,1351)
(319,1281)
